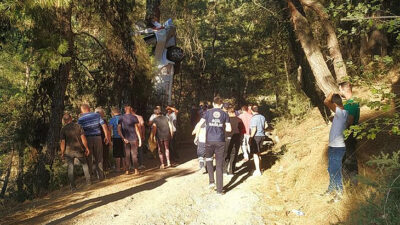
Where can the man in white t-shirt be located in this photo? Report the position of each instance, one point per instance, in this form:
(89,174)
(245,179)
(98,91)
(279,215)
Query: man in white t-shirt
(337,147)
(154,115)
(172,113)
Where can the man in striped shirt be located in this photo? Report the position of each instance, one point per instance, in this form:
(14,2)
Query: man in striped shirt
(92,123)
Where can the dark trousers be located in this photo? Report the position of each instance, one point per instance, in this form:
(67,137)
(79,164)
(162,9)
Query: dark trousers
(201,154)
(350,163)
(232,145)
(70,163)
(172,149)
(131,152)
(256,144)
(216,148)
(140,154)
(106,157)
(95,158)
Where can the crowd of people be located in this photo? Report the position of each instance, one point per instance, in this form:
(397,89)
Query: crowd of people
(90,139)
(220,131)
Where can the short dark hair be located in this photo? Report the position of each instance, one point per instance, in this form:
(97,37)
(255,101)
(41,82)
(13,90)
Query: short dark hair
(127,105)
(337,99)
(231,110)
(66,117)
(245,108)
(218,100)
(157,111)
(115,110)
(346,85)
(254,108)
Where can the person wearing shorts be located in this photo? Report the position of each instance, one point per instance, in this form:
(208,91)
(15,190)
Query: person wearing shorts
(162,130)
(257,136)
(117,142)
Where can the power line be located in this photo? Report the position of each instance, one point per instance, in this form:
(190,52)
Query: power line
(370,18)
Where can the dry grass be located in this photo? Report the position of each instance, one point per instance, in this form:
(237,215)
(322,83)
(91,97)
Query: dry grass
(301,172)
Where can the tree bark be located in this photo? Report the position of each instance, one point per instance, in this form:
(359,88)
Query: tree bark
(7,177)
(20,173)
(153,10)
(61,76)
(332,41)
(322,74)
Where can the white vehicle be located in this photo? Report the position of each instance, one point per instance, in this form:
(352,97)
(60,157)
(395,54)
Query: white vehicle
(167,55)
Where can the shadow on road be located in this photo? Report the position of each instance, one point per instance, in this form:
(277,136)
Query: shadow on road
(90,204)
(268,159)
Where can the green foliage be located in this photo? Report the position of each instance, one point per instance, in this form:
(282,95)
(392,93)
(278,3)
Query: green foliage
(381,206)
(108,67)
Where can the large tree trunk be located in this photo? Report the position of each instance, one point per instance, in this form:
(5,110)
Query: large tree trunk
(153,10)
(332,41)
(323,76)
(61,76)
(7,177)
(20,173)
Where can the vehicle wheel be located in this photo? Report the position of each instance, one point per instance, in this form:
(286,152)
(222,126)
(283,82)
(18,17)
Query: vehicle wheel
(175,54)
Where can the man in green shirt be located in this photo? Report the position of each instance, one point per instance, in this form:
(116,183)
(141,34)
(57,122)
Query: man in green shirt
(350,164)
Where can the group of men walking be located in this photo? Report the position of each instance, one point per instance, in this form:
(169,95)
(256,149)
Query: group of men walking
(221,132)
(89,140)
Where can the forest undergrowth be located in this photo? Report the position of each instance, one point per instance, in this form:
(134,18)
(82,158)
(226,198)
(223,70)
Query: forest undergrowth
(299,176)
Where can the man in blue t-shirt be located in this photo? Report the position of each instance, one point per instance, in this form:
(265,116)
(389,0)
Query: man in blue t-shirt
(117,142)
(257,136)
(92,123)
(217,122)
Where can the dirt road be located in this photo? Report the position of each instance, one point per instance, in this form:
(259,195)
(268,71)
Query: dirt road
(177,195)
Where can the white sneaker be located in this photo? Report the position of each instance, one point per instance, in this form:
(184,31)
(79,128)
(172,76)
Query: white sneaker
(257,173)
(211,186)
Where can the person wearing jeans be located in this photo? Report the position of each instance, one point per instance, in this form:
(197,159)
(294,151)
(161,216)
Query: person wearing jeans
(129,130)
(72,138)
(335,156)
(337,147)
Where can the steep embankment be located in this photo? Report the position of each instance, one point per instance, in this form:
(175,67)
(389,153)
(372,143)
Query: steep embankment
(300,175)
